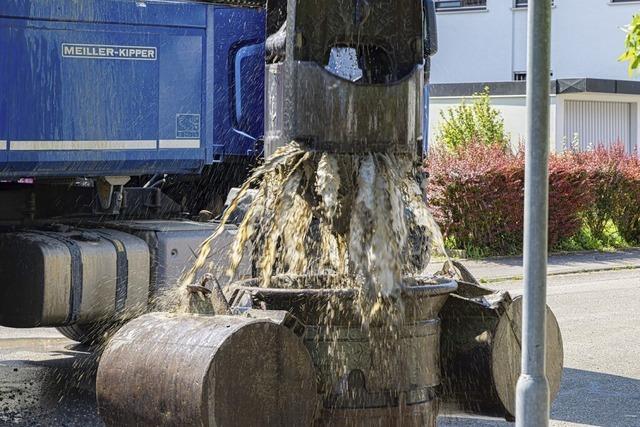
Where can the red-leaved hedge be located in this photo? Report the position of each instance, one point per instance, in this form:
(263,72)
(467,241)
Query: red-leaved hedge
(614,180)
(627,216)
(477,195)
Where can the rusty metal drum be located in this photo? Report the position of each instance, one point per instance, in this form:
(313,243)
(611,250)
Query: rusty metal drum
(176,370)
(378,376)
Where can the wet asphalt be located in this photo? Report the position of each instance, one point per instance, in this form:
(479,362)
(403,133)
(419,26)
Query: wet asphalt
(47,380)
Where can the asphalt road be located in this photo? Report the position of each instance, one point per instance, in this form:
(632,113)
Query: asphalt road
(599,315)
(48,381)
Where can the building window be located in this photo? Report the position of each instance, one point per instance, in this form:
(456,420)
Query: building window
(521,76)
(523,3)
(444,5)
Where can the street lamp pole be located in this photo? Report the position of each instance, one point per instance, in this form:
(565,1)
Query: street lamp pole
(532,392)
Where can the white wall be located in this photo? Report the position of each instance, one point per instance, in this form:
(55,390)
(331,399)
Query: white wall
(513,110)
(474,46)
(489,45)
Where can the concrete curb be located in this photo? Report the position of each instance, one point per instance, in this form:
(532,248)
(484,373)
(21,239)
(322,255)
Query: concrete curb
(551,254)
(561,273)
(501,269)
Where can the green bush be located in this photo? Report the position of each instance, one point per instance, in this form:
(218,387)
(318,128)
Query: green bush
(584,240)
(477,122)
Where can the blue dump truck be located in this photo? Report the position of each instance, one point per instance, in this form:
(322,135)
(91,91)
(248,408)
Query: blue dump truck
(119,120)
(128,88)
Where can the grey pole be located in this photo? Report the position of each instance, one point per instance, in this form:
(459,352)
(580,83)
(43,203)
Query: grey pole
(532,392)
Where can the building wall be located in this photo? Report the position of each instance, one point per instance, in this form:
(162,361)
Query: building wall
(513,110)
(490,45)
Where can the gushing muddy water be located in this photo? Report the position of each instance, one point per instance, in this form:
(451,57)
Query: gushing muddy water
(359,216)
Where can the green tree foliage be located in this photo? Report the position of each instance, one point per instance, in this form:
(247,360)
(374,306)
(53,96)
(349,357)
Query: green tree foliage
(477,122)
(632,45)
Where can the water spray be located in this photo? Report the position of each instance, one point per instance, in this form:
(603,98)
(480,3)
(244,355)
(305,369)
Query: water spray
(340,323)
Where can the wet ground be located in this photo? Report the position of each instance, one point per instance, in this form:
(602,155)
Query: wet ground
(46,380)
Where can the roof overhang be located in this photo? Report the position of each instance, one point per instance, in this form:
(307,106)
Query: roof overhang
(558,87)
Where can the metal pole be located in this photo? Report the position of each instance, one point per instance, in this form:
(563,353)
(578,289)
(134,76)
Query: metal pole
(532,392)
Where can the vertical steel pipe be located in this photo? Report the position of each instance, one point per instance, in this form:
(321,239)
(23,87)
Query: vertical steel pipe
(532,392)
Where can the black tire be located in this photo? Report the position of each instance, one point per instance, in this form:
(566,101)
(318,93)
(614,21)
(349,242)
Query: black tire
(89,334)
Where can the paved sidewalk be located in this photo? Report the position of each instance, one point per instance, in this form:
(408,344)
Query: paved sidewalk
(510,268)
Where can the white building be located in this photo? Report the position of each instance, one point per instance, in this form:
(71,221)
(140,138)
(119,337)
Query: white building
(483,43)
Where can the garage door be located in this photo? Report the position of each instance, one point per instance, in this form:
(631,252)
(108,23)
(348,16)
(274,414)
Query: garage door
(592,123)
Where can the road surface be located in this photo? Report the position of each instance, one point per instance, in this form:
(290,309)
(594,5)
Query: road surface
(46,380)
(599,315)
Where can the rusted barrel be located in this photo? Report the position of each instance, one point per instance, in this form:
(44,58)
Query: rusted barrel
(378,377)
(188,370)
(481,350)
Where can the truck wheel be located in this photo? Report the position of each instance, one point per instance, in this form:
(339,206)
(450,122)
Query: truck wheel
(89,334)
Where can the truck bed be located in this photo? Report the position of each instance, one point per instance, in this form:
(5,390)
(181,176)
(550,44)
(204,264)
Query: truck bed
(126,87)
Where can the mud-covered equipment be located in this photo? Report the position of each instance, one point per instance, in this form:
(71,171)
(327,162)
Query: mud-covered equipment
(481,349)
(345,76)
(374,376)
(191,370)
